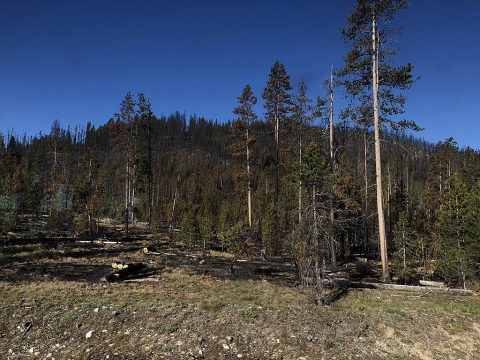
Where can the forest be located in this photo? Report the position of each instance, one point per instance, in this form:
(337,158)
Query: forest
(291,179)
(302,180)
(193,174)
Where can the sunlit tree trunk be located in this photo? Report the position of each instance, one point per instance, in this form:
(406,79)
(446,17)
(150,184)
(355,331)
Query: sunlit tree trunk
(249,182)
(378,161)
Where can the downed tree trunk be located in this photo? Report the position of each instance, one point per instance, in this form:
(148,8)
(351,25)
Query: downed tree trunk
(432,283)
(130,271)
(143,279)
(150,250)
(121,265)
(437,290)
(116,265)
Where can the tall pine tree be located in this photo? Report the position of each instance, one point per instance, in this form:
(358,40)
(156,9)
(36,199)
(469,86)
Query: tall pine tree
(371,79)
(277,107)
(246,116)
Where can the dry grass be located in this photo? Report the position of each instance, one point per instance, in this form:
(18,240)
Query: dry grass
(184,315)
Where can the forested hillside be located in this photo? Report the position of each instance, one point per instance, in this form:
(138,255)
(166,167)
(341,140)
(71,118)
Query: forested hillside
(300,179)
(198,182)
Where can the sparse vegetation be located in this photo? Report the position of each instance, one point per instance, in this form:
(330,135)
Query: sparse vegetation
(186,315)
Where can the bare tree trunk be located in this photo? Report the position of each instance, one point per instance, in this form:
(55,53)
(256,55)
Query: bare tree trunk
(315,232)
(424,260)
(249,184)
(459,240)
(332,211)
(365,171)
(132,200)
(378,161)
(127,191)
(54,185)
(300,184)
(331,115)
(366,188)
(90,224)
(316,249)
(149,174)
(277,154)
(174,201)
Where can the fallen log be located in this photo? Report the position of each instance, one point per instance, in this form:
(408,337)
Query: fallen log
(119,265)
(150,250)
(119,277)
(438,284)
(436,290)
(264,270)
(143,279)
(134,266)
(131,271)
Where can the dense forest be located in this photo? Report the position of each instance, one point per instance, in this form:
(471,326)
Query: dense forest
(301,180)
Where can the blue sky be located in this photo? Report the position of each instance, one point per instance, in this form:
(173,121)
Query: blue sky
(74,60)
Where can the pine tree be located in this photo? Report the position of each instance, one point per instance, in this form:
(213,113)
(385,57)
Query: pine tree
(442,166)
(190,230)
(246,116)
(270,230)
(206,229)
(404,246)
(314,174)
(301,119)
(85,200)
(126,119)
(145,114)
(458,233)
(277,106)
(369,77)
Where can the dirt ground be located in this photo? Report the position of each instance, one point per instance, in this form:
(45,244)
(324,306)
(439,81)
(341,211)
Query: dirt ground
(55,304)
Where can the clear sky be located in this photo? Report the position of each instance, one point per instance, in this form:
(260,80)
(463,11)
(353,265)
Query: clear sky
(74,60)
